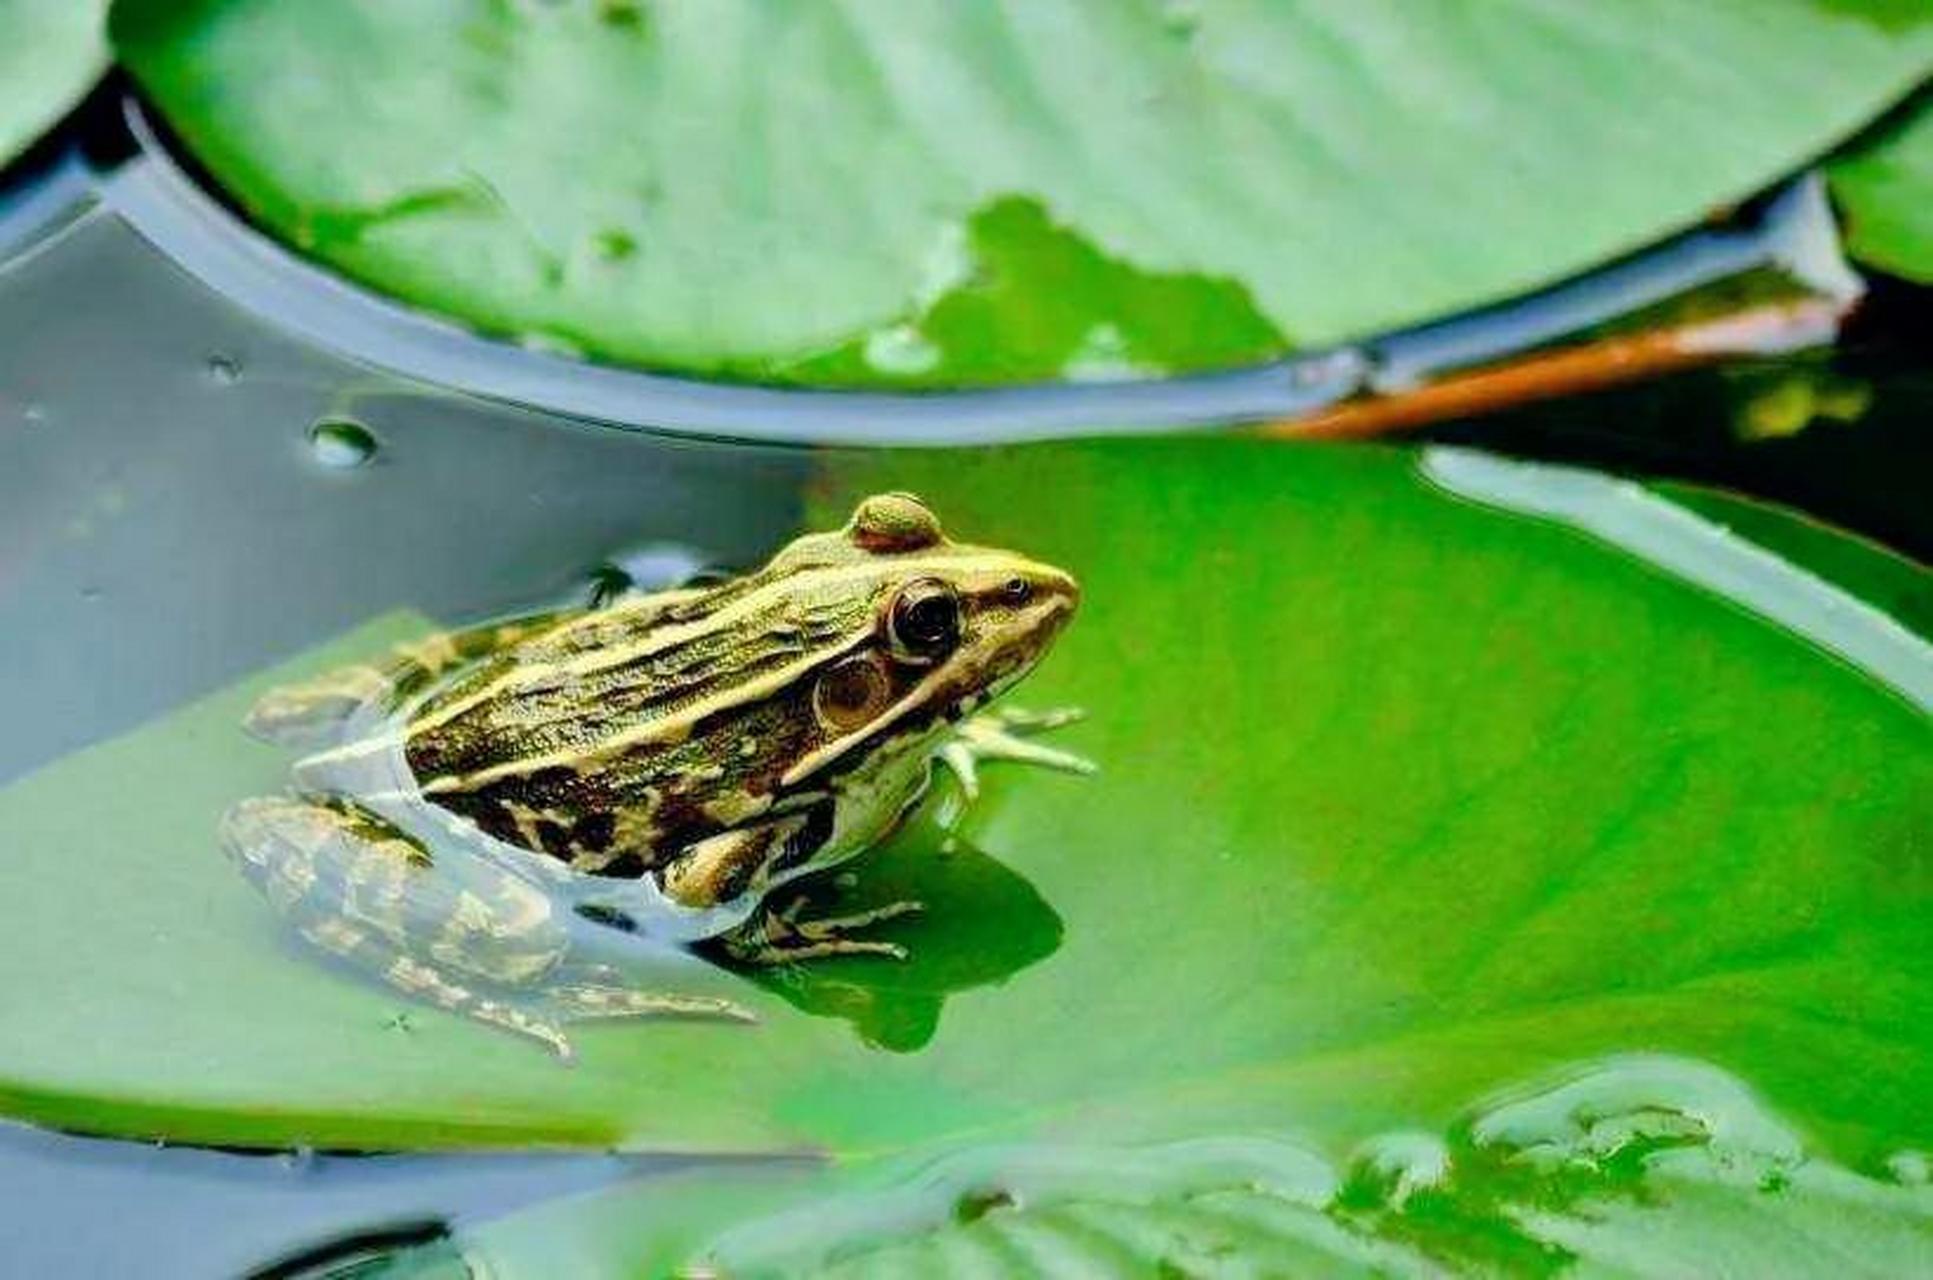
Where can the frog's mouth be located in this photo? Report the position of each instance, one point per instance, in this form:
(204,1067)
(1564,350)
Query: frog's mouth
(1008,667)
(979,670)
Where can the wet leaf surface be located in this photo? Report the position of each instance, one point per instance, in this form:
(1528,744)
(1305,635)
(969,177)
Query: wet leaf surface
(1404,797)
(1640,1166)
(51,53)
(931,194)
(1886,188)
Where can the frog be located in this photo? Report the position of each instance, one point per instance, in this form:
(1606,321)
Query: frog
(481,819)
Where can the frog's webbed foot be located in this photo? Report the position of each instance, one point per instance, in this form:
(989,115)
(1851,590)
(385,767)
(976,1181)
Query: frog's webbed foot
(308,712)
(459,933)
(781,937)
(1005,733)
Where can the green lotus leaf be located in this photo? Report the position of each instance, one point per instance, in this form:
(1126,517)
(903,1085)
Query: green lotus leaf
(1421,774)
(51,53)
(877,192)
(1645,1166)
(1886,186)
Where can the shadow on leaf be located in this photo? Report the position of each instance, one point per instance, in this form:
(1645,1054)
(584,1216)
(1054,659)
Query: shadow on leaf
(982,922)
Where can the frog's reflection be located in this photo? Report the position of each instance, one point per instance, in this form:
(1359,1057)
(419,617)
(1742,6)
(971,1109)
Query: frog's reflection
(981,923)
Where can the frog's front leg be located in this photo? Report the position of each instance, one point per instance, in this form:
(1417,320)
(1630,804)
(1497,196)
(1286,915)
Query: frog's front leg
(462,934)
(306,712)
(1005,734)
(745,860)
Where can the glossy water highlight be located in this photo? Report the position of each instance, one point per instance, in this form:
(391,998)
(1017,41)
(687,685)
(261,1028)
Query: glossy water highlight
(1641,1165)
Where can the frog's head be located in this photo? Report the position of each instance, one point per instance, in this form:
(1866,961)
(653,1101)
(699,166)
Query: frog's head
(936,628)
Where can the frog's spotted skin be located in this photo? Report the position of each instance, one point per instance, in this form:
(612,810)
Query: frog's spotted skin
(663,764)
(309,713)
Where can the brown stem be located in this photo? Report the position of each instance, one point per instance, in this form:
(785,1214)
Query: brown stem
(1544,375)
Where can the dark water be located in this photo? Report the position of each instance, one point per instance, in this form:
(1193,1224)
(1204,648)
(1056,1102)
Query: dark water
(1867,474)
(186,494)
(157,463)
(93,1207)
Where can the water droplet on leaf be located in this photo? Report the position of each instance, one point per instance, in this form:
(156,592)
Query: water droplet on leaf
(341,443)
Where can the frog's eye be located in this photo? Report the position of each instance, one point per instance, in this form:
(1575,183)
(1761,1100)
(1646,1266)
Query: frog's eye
(924,623)
(1016,591)
(889,522)
(850,693)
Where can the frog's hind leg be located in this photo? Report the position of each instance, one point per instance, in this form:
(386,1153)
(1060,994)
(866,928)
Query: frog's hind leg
(310,712)
(464,935)
(348,883)
(605,995)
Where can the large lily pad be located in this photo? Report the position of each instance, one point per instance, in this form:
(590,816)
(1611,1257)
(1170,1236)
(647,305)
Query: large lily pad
(51,52)
(1405,797)
(931,194)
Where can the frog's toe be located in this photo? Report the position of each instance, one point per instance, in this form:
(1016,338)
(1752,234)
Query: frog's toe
(1020,720)
(1007,734)
(584,1001)
(313,711)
